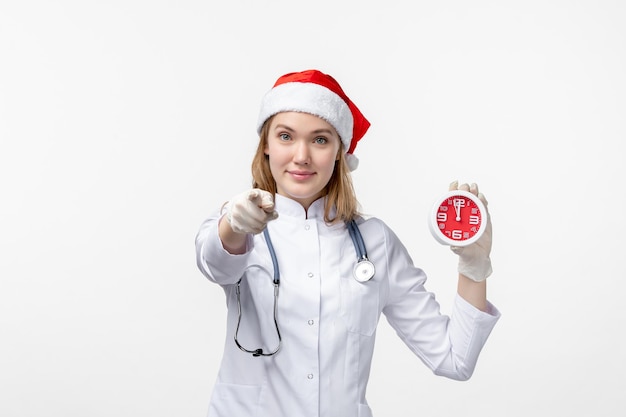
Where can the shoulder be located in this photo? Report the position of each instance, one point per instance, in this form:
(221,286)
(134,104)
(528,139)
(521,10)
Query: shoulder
(372,227)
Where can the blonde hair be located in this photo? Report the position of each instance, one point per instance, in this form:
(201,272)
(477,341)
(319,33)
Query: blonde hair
(339,191)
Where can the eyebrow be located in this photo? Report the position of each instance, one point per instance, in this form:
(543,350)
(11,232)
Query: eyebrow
(317,131)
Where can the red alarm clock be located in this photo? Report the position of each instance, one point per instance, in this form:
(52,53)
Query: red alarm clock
(458,218)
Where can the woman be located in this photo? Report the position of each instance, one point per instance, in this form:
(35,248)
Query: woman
(304,348)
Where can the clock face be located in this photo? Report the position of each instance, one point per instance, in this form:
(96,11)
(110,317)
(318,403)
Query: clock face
(457,218)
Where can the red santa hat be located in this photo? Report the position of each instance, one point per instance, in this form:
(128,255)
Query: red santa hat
(318,94)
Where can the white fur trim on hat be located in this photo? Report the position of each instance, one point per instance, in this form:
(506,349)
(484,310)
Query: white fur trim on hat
(352,161)
(309,98)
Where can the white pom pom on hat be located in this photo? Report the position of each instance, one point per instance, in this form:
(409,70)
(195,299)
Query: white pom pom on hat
(319,94)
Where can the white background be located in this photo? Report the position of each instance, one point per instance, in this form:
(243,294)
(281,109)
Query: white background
(124,123)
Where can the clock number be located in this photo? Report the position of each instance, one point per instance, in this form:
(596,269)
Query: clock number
(474,219)
(459,202)
(442,217)
(457,234)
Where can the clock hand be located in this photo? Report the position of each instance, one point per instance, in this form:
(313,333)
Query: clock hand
(457,209)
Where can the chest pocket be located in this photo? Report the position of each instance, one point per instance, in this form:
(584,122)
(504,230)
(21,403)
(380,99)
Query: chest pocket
(360,305)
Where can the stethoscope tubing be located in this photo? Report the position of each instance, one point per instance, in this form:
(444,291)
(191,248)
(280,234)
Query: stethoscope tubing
(363,271)
(276,282)
(357,239)
(259,351)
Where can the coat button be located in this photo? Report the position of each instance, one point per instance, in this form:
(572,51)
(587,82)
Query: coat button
(310,376)
(307,227)
(311,322)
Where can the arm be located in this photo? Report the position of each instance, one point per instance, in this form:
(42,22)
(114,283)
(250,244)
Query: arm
(474,260)
(448,345)
(233,242)
(473,292)
(224,242)
(247,213)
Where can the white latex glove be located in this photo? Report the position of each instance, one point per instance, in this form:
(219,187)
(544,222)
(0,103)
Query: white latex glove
(474,261)
(250,211)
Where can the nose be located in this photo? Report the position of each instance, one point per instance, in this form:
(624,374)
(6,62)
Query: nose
(302,153)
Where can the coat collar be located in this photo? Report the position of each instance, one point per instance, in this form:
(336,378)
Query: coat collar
(291,208)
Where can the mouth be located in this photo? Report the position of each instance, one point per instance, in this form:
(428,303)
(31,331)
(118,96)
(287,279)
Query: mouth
(301,175)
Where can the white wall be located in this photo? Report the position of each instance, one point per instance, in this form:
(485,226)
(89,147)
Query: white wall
(123,123)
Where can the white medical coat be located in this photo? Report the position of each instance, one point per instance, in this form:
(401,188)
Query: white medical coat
(327,319)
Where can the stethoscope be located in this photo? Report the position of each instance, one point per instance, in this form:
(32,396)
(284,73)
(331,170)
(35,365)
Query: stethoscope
(363,271)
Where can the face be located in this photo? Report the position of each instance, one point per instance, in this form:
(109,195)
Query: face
(302,151)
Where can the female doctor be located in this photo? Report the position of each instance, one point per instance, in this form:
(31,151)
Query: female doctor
(301,322)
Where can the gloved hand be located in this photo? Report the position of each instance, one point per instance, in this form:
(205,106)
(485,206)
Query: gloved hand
(474,261)
(250,211)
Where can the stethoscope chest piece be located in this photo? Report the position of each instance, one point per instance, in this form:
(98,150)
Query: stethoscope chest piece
(363,270)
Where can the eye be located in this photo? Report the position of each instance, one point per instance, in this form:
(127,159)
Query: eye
(321,140)
(284,136)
